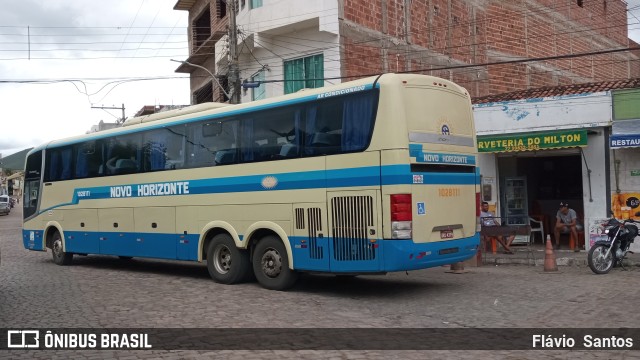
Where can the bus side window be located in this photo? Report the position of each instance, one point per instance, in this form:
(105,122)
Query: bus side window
(124,154)
(154,150)
(60,164)
(225,157)
(266,134)
(88,160)
(206,139)
(175,146)
(324,127)
(341,124)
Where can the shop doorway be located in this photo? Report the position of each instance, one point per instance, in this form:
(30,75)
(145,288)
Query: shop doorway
(549,178)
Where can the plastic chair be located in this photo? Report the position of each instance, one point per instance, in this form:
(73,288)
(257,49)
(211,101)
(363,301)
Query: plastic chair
(536,227)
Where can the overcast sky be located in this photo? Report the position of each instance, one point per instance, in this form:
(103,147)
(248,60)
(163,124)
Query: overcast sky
(634,19)
(100,43)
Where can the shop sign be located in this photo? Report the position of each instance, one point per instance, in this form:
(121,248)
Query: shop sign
(532,141)
(635,172)
(626,205)
(625,140)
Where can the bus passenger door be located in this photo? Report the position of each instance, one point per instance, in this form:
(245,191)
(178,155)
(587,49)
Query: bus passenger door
(354,233)
(310,237)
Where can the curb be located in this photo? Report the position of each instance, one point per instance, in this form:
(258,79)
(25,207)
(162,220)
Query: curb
(560,261)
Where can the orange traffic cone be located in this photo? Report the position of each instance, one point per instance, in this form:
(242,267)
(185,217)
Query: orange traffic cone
(550,257)
(457,268)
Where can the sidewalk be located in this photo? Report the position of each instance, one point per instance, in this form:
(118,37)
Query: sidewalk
(534,255)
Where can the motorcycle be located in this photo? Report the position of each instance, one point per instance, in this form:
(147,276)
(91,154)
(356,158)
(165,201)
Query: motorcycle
(606,254)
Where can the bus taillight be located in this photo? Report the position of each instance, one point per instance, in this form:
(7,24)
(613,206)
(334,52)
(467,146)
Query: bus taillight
(401,217)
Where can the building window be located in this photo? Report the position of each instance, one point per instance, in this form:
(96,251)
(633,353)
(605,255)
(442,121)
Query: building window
(221,9)
(259,92)
(202,28)
(580,3)
(255,4)
(303,73)
(204,94)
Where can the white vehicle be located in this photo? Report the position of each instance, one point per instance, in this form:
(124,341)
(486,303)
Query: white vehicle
(5,205)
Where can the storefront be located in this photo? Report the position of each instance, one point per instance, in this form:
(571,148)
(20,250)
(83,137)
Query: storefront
(535,153)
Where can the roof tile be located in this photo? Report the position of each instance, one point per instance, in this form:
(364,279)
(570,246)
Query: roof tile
(548,91)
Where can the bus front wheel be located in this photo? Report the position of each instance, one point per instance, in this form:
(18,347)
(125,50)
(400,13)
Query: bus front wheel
(271,264)
(60,257)
(226,263)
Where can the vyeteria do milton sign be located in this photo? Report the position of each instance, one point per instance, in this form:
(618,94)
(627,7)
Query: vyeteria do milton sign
(533,141)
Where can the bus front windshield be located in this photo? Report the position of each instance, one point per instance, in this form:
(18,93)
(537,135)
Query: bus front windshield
(32,184)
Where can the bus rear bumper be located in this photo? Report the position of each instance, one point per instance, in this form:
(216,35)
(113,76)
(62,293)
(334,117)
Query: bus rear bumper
(401,255)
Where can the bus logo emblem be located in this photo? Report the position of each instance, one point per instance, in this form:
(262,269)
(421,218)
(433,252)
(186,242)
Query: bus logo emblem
(421,209)
(269,182)
(445,129)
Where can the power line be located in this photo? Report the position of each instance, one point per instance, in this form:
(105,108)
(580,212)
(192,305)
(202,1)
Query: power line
(484,19)
(520,61)
(134,20)
(440,51)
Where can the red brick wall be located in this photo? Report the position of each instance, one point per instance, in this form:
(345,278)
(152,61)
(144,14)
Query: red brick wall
(365,13)
(357,59)
(442,33)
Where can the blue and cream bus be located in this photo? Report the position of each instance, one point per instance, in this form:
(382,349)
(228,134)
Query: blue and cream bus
(366,177)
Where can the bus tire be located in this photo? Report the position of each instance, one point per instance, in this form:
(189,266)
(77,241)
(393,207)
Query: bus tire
(271,264)
(60,257)
(226,263)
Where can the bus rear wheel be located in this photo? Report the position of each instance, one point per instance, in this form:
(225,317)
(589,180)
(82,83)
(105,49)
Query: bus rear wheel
(226,263)
(271,264)
(60,257)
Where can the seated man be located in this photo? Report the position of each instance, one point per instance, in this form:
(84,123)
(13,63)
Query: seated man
(488,219)
(566,222)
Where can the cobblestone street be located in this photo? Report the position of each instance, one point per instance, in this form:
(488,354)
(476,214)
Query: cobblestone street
(106,292)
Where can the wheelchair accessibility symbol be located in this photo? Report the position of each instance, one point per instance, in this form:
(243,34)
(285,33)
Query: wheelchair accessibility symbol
(421,209)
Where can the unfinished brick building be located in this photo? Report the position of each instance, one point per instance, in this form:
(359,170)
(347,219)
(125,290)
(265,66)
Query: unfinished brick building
(456,39)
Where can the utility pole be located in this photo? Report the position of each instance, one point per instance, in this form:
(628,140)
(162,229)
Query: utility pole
(112,108)
(234,72)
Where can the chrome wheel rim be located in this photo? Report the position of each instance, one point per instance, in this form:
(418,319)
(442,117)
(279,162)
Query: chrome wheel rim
(601,262)
(57,247)
(222,259)
(271,263)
